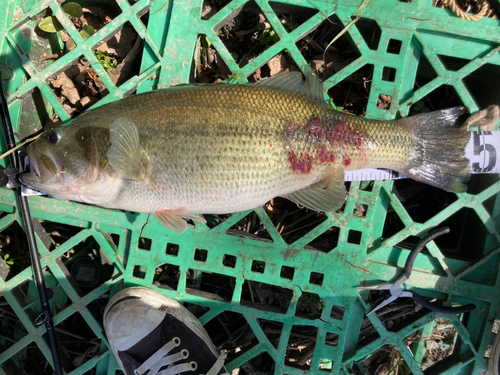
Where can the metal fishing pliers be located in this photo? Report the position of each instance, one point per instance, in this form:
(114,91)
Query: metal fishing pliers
(397,290)
(8,177)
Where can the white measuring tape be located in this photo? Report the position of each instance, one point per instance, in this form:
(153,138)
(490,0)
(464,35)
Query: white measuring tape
(483,151)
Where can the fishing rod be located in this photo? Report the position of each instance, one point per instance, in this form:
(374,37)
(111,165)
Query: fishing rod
(23,204)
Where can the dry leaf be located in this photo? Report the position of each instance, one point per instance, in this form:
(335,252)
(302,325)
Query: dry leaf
(74,70)
(4,241)
(68,89)
(88,101)
(120,43)
(89,83)
(68,108)
(124,70)
(208,10)
(68,41)
(318,65)
(224,71)
(105,14)
(91,20)
(384,101)
(257,75)
(277,64)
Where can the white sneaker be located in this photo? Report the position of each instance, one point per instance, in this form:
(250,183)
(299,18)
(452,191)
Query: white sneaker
(153,334)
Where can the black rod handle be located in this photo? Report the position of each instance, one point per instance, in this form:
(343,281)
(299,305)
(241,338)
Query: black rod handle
(34,255)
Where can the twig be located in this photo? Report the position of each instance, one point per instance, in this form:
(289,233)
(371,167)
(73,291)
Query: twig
(54,56)
(324,15)
(345,29)
(307,355)
(20,145)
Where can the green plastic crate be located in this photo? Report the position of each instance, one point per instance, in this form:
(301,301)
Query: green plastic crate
(318,287)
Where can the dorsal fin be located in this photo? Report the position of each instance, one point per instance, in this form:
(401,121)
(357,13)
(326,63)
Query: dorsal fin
(309,85)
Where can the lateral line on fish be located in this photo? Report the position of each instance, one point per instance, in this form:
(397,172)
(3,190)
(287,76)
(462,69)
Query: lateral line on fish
(483,151)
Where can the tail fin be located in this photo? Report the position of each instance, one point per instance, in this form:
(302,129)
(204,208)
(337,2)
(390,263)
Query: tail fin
(438,157)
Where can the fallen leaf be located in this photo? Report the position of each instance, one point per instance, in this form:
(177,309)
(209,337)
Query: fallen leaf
(124,70)
(89,83)
(92,18)
(88,101)
(74,70)
(384,101)
(277,64)
(120,43)
(68,41)
(107,14)
(224,71)
(318,65)
(208,10)
(68,89)
(68,108)
(257,75)
(383,369)
(97,80)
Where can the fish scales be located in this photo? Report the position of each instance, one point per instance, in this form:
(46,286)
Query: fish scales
(234,143)
(197,149)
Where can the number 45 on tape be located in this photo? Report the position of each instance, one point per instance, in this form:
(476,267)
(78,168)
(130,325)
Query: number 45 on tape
(483,151)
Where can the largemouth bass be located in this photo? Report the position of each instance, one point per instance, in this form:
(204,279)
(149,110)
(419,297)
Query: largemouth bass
(225,148)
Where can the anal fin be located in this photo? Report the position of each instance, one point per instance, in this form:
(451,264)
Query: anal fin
(176,219)
(326,195)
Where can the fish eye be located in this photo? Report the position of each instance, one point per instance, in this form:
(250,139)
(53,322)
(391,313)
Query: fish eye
(55,135)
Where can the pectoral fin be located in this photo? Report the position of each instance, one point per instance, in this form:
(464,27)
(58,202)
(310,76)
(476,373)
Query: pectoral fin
(124,154)
(326,195)
(174,219)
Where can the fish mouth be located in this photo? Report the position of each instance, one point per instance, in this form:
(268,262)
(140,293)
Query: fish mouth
(46,169)
(33,162)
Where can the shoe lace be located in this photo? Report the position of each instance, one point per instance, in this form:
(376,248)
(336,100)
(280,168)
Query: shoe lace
(161,359)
